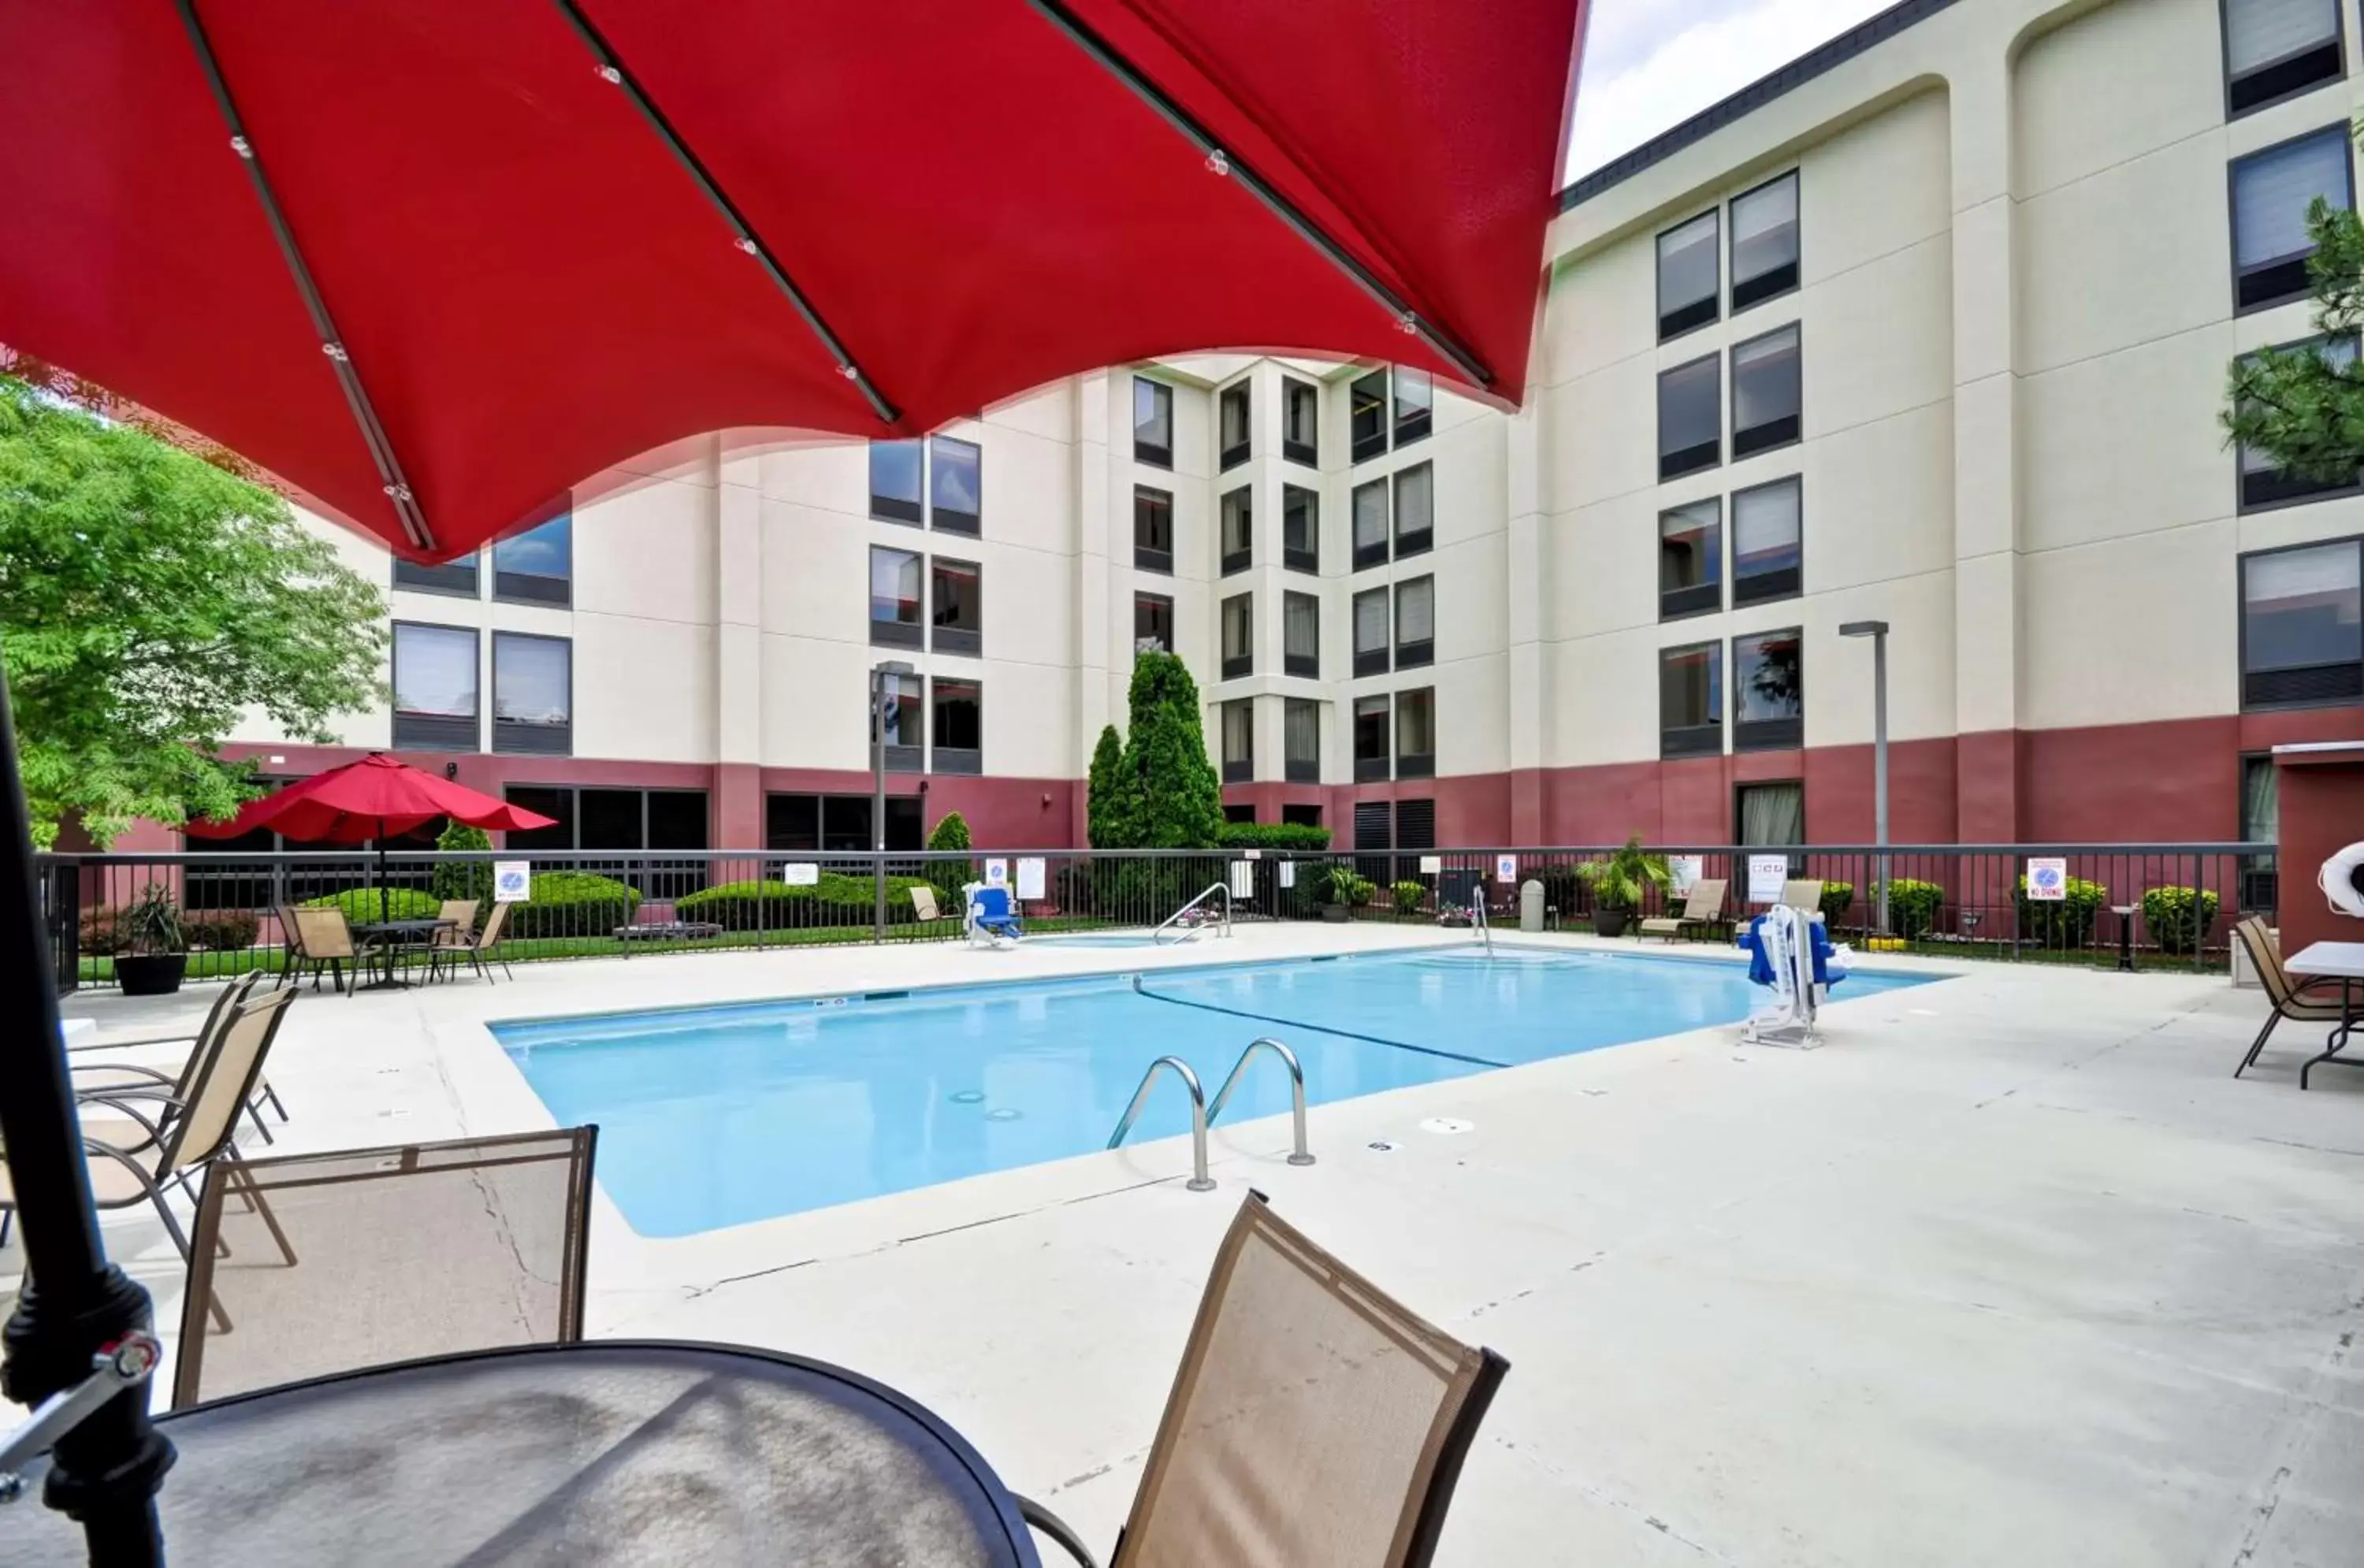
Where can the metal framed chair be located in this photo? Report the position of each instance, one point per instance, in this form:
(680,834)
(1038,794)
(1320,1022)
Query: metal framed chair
(1704,906)
(2290,998)
(326,941)
(99,1080)
(1314,1422)
(457,936)
(476,947)
(385,1255)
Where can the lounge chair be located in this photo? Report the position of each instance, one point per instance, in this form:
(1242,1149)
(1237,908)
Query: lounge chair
(991,915)
(923,904)
(98,1080)
(1314,1422)
(1703,908)
(2290,998)
(479,947)
(134,1159)
(385,1255)
(325,945)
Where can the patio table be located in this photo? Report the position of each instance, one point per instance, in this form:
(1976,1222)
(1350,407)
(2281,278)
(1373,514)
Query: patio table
(2343,961)
(388,936)
(604,1452)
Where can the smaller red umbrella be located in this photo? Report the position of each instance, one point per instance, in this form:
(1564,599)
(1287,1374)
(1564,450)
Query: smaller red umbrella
(369,799)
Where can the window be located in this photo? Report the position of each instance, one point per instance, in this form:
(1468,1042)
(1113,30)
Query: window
(2263,484)
(2272,192)
(958,588)
(1366,415)
(1690,419)
(1690,559)
(1240,811)
(838,824)
(1765,242)
(894,490)
(558,805)
(1416,510)
(1371,632)
(959,744)
(1416,734)
(1301,528)
(1152,623)
(537,566)
(1239,529)
(1372,760)
(900,703)
(1769,691)
(2261,822)
(1301,422)
(2302,627)
(457,578)
(1768,553)
(1152,422)
(1765,393)
(1773,816)
(1231,416)
(1238,742)
(632,820)
(1688,281)
(1300,734)
(434,688)
(1370,508)
(1300,635)
(1153,528)
(533,694)
(1302,816)
(1415,623)
(1691,700)
(1239,636)
(894,598)
(1415,400)
(2274,48)
(955,484)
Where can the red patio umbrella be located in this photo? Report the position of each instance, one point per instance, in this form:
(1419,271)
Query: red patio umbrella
(372,799)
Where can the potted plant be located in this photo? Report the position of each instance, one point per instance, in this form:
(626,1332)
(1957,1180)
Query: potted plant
(155,954)
(1619,882)
(1343,892)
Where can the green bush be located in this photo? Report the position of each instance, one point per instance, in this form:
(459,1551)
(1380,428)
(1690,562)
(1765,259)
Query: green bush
(2169,915)
(1913,906)
(1341,884)
(838,893)
(1838,897)
(949,876)
(1408,894)
(1273,836)
(748,905)
(221,930)
(362,904)
(102,931)
(2067,922)
(569,904)
(463,879)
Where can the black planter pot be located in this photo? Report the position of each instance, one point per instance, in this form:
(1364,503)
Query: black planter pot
(151,975)
(1608,922)
(1336,914)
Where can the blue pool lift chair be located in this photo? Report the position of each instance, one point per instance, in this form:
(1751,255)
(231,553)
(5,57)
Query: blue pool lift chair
(992,918)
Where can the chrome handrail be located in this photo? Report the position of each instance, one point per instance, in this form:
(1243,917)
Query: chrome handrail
(1303,1156)
(1479,918)
(1199,1181)
(1209,892)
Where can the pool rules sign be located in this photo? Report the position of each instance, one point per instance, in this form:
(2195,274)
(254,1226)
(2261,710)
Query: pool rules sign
(2047,879)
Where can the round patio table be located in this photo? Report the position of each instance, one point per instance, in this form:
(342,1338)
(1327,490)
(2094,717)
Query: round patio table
(607,1451)
(391,937)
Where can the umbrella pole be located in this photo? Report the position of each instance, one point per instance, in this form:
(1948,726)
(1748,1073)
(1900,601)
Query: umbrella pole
(384,908)
(105,1472)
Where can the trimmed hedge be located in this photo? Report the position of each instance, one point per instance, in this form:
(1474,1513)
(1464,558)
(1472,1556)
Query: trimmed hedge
(2066,922)
(1838,897)
(464,879)
(1408,894)
(361,903)
(222,930)
(1913,906)
(570,904)
(102,931)
(765,905)
(1273,836)
(2168,916)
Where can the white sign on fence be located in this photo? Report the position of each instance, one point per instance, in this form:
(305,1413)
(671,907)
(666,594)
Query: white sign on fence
(2047,879)
(1685,870)
(1506,868)
(803,873)
(1288,873)
(1031,877)
(1431,864)
(512,881)
(1244,879)
(1252,854)
(996,874)
(1765,875)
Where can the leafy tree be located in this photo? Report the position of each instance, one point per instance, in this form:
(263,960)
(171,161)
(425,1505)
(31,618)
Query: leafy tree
(464,879)
(2303,408)
(1180,803)
(1109,799)
(951,833)
(149,600)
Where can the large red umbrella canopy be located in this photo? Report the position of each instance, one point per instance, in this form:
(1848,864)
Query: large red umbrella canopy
(521,241)
(376,797)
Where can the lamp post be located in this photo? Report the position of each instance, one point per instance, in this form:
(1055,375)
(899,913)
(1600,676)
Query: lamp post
(892,670)
(1878,631)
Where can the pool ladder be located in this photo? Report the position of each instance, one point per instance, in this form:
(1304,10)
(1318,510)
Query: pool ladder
(1158,937)
(1202,1114)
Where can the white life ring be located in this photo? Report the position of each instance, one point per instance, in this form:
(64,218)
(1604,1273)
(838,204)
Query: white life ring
(2337,880)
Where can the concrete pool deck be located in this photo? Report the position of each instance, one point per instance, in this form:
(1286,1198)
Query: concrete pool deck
(2011,1271)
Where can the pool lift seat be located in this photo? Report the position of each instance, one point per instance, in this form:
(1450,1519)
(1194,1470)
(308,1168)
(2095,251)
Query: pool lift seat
(988,919)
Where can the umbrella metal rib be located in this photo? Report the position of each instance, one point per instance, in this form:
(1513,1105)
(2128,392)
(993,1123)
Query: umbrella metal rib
(389,466)
(613,71)
(1224,161)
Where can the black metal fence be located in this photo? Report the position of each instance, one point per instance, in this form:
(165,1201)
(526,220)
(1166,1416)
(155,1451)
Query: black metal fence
(2160,903)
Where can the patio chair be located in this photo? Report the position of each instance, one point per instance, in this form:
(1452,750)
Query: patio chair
(924,906)
(325,945)
(1803,893)
(1704,907)
(1314,1422)
(475,948)
(136,1158)
(381,1255)
(98,1080)
(2288,997)
(459,933)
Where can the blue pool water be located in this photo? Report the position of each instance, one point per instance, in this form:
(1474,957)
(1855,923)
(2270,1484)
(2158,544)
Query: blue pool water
(717,1116)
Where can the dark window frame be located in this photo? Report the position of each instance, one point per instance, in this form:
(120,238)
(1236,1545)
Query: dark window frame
(1693,740)
(1787,429)
(903,755)
(1237,770)
(1373,660)
(1420,651)
(1308,557)
(1306,664)
(2343,690)
(915,816)
(1767,734)
(1166,600)
(532,739)
(1698,598)
(1362,448)
(1145,557)
(1421,540)
(1230,457)
(1415,764)
(1232,561)
(2298,492)
(1713,447)
(1235,665)
(961,759)
(1146,451)
(535,587)
(439,580)
(2278,94)
(1380,766)
(1306,453)
(1784,583)
(435,731)
(2282,267)
(897,633)
(894,509)
(968,641)
(1795,266)
(947,520)
(1692,321)
(1404,429)
(1294,769)
(1365,556)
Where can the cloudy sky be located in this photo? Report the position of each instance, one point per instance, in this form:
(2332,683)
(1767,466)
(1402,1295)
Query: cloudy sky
(1651,63)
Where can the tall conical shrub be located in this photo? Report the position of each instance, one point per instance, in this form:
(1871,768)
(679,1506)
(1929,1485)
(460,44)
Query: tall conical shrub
(1109,806)
(1180,801)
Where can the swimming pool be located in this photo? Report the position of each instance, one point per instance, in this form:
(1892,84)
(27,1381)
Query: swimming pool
(717,1116)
